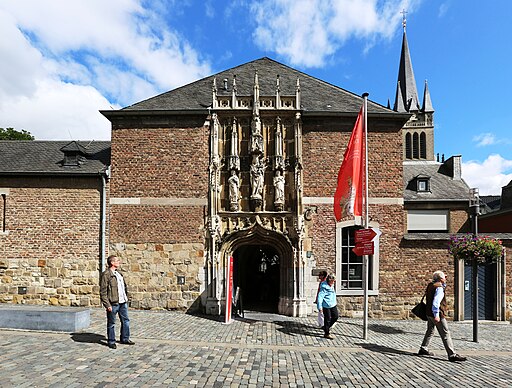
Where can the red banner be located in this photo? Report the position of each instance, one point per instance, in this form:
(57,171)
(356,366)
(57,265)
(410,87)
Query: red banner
(348,199)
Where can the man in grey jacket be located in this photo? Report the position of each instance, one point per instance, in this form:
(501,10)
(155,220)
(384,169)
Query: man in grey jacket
(114,297)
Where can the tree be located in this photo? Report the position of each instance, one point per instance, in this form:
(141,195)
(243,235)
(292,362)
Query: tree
(12,134)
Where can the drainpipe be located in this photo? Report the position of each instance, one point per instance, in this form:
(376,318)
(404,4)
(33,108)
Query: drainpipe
(105,175)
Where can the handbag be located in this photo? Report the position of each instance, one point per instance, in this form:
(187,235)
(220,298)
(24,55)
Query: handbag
(420,310)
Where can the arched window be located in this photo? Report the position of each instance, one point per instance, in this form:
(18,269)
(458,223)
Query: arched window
(408,146)
(423,145)
(415,146)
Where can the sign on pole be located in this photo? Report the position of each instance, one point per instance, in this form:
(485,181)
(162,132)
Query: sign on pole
(229,290)
(364,239)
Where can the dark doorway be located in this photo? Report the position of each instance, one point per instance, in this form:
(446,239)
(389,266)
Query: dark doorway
(256,271)
(487,275)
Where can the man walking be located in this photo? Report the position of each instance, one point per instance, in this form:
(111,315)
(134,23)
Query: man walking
(436,315)
(114,297)
(326,303)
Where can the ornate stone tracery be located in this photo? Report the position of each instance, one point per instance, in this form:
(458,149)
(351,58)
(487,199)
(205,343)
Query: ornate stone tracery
(256,151)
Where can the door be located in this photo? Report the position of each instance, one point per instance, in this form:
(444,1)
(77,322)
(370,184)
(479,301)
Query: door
(487,276)
(256,272)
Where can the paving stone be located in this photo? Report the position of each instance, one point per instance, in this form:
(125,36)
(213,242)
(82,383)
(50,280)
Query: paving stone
(180,350)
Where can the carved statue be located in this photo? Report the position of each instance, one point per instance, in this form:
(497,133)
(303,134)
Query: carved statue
(256,136)
(257,175)
(279,187)
(234,184)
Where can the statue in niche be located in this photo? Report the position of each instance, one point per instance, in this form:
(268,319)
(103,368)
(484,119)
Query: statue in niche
(234,185)
(256,136)
(257,177)
(279,190)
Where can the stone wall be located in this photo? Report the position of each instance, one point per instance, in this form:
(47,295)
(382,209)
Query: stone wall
(50,252)
(153,273)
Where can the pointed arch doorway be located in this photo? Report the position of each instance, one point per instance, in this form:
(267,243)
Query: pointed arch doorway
(256,271)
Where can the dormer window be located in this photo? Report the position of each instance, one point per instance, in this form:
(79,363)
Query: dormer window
(74,154)
(423,184)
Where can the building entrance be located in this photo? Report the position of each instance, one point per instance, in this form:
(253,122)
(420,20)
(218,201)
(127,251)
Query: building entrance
(256,270)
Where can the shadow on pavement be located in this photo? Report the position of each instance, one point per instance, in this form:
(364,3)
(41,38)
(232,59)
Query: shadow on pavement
(385,329)
(297,328)
(386,350)
(92,338)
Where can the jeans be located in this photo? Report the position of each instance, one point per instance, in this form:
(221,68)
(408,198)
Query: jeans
(330,316)
(442,328)
(122,310)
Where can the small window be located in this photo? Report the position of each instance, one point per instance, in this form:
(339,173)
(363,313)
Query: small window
(423,184)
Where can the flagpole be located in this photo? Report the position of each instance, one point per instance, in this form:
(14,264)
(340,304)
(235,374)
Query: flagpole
(366,218)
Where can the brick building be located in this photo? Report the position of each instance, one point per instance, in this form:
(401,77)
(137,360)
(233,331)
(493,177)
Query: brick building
(53,208)
(243,164)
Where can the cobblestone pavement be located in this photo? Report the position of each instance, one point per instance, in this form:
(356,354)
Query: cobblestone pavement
(179,350)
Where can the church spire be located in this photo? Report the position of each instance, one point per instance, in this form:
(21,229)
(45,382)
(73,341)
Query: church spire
(427,103)
(406,76)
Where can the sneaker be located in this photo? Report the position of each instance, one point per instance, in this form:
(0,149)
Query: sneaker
(112,346)
(424,352)
(457,357)
(129,342)
(328,336)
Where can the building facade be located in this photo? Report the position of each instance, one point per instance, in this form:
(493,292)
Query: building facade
(240,164)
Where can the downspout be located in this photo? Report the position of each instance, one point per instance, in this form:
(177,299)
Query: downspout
(105,175)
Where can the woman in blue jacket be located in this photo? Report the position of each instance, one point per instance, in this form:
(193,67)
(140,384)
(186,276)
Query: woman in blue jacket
(326,303)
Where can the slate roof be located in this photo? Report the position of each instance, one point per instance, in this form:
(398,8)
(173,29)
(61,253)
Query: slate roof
(25,157)
(316,95)
(442,186)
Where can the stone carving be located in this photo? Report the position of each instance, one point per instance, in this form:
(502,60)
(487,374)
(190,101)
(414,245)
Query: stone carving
(256,136)
(279,190)
(257,178)
(234,185)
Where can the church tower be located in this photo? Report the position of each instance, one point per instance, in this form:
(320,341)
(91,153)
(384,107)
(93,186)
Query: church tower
(418,132)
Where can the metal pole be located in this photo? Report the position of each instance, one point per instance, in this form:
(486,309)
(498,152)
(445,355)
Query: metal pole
(475,209)
(366,218)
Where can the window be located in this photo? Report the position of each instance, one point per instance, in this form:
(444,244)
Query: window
(349,266)
(423,145)
(427,220)
(408,146)
(423,184)
(415,146)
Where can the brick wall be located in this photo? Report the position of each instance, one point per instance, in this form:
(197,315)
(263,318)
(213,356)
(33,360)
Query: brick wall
(52,245)
(163,162)
(159,242)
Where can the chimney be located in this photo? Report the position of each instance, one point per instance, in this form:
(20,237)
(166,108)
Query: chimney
(454,167)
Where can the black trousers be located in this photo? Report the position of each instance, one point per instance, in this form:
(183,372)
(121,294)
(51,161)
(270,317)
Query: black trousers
(330,316)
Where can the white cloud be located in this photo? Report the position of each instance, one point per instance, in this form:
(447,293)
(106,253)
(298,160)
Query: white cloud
(485,139)
(443,9)
(59,111)
(98,50)
(479,175)
(307,32)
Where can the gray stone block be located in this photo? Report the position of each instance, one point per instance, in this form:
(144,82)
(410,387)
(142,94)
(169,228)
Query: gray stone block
(28,317)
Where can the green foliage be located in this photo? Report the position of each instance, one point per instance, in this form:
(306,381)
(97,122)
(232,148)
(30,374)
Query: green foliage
(12,134)
(483,249)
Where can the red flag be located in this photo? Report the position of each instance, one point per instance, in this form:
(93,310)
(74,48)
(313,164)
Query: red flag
(348,199)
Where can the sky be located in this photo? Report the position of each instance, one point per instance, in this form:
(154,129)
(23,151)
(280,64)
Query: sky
(64,60)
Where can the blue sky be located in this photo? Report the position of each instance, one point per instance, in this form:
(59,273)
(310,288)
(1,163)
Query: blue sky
(64,60)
